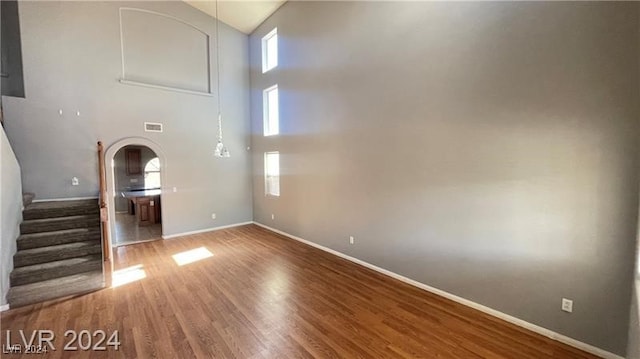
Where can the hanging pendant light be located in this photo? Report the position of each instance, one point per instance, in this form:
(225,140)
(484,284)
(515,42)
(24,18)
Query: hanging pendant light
(221,150)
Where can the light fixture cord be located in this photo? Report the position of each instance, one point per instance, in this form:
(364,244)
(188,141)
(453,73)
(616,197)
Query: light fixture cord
(218,75)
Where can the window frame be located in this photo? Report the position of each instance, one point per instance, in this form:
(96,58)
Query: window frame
(267,192)
(273,34)
(266,117)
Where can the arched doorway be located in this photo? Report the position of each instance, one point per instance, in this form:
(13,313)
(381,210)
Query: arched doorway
(134,191)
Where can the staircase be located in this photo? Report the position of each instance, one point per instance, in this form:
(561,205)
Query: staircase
(59,251)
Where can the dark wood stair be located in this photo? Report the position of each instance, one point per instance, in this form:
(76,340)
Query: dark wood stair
(59,252)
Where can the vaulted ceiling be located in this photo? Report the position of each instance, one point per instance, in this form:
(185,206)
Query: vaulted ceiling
(242,15)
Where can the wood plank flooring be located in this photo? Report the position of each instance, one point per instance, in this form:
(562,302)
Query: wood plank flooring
(261,295)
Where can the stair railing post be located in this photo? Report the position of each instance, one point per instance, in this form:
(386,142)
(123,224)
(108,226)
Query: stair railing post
(104,213)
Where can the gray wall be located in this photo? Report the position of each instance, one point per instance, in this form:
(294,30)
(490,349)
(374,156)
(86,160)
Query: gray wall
(10,212)
(72,61)
(123,181)
(486,149)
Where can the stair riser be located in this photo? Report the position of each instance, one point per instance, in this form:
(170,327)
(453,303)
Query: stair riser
(46,274)
(26,228)
(27,260)
(53,240)
(55,213)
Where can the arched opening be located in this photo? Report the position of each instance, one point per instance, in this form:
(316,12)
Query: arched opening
(134,186)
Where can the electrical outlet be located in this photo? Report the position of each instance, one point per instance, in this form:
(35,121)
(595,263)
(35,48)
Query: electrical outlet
(75,181)
(351,240)
(175,189)
(273,216)
(213,216)
(567,305)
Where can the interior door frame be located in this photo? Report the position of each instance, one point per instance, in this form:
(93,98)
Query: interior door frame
(108,160)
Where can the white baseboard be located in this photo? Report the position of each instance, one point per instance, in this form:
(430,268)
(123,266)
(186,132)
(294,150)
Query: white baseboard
(506,317)
(205,230)
(62,199)
(4,308)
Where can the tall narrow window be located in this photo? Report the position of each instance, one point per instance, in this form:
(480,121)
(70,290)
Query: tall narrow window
(272,173)
(270,50)
(271,111)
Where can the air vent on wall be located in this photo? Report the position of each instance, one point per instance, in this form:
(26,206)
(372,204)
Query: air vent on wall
(152,127)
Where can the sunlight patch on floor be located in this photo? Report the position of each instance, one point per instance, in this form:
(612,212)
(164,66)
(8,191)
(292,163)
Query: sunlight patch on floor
(191,256)
(127,275)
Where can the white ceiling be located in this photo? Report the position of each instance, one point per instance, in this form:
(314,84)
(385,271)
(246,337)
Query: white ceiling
(242,15)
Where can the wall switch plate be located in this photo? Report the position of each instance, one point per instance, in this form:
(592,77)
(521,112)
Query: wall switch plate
(75,181)
(567,305)
(351,240)
(273,216)
(213,216)
(175,189)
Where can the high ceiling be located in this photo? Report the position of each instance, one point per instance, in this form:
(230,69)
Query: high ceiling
(242,15)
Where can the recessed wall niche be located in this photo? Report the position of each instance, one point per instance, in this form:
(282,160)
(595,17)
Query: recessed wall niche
(162,51)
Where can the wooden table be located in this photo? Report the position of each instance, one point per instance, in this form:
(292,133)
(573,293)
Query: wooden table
(145,204)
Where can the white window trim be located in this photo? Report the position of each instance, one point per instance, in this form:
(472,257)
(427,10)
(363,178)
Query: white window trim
(266,119)
(265,39)
(266,174)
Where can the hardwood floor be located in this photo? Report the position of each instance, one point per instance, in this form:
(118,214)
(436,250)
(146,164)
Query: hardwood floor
(261,295)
